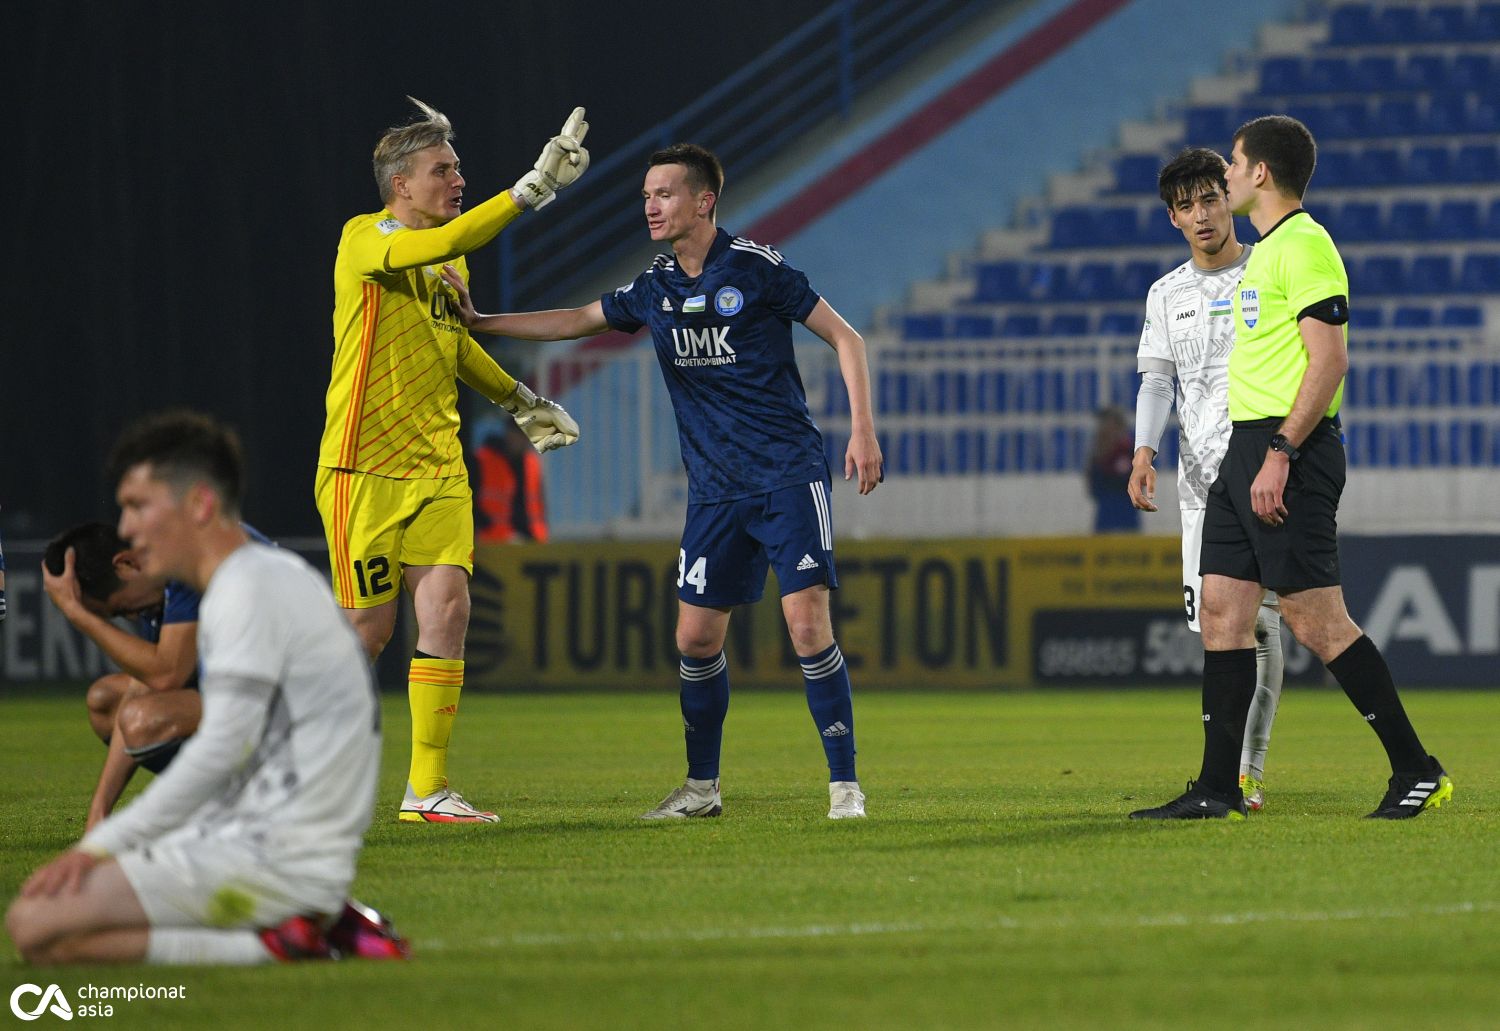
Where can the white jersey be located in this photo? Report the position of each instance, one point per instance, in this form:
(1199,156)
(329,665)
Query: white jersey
(298,786)
(1188,335)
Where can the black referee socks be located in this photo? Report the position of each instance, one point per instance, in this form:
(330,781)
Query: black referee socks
(1228,689)
(1362,673)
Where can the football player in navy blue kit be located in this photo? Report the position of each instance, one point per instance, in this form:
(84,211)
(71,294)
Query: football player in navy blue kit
(720,309)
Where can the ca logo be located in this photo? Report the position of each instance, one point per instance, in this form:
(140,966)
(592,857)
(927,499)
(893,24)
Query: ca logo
(53,995)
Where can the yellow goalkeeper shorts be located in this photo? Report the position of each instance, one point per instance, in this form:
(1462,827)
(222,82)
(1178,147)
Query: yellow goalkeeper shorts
(377,526)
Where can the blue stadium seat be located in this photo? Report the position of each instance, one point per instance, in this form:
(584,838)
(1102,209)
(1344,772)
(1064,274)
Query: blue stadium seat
(971,326)
(1050,282)
(1430,274)
(1395,116)
(1358,221)
(950,391)
(1137,276)
(1366,316)
(993,394)
(1462,316)
(1427,165)
(1446,23)
(1378,166)
(1480,275)
(1486,24)
(1352,25)
(1376,277)
(1457,220)
(1095,281)
(1471,73)
(1346,120)
(1206,122)
(1137,173)
(1484,115)
(923,327)
(892,392)
(999,281)
(1491,229)
(1424,73)
(1411,316)
(1083,390)
(1373,74)
(1447,114)
(1074,227)
(1477,163)
(1483,384)
(1019,325)
(1325,75)
(1118,323)
(1116,227)
(1408,220)
(1068,324)
(1158,231)
(1280,76)
(1397,24)
(1336,168)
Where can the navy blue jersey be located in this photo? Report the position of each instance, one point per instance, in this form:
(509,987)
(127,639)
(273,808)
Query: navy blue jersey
(724,342)
(179,603)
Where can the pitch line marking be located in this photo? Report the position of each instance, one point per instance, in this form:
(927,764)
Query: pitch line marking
(525,940)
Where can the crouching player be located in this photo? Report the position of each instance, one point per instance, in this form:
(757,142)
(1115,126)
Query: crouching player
(244,849)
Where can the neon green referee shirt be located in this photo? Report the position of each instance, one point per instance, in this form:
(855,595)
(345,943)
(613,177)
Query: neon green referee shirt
(1294,266)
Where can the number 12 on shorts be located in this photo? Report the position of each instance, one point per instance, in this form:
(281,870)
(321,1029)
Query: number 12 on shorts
(697,576)
(379,569)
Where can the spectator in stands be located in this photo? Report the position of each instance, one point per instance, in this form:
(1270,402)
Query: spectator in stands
(1109,473)
(511,506)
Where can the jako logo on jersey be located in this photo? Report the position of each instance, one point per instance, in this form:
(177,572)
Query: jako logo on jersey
(53,996)
(1186,314)
(703,346)
(692,304)
(728,301)
(1250,307)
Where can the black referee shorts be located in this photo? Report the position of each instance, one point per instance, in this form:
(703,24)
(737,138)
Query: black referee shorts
(1301,553)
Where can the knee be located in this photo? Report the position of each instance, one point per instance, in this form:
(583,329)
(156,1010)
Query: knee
(25,930)
(810,636)
(138,723)
(698,642)
(105,693)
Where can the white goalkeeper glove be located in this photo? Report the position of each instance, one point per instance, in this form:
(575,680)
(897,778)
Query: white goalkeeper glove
(563,160)
(546,424)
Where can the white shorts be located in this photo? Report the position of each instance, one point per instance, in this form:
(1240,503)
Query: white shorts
(1192,580)
(188,879)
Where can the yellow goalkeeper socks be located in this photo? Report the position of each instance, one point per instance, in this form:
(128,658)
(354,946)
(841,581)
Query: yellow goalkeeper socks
(433,687)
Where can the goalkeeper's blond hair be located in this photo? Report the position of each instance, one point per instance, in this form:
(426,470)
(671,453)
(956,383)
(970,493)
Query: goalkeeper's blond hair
(394,151)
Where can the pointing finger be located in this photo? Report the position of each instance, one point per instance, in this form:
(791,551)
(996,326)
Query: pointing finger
(575,126)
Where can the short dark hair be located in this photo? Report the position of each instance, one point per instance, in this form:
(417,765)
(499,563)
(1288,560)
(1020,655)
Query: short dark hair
(95,546)
(703,169)
(1189,173)
(1287,148)
(183,448)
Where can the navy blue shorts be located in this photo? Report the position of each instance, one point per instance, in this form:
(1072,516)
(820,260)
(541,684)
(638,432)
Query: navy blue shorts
(727,546)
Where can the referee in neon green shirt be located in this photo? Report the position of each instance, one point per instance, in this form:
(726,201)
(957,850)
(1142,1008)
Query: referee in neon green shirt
(1272,516)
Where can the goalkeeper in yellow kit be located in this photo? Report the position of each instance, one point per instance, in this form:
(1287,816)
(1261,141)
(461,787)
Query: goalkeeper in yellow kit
(392,487)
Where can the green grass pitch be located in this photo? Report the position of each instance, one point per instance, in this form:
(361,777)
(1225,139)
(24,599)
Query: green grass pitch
(996,883)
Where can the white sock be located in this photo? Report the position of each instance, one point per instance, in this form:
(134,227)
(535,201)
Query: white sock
(203,946)
(1270,664)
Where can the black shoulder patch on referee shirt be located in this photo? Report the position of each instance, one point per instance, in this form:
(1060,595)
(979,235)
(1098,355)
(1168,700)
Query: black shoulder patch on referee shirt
(1334,311)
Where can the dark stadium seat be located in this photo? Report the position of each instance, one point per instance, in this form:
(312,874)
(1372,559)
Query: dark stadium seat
(1068,324)
(1049,282)
(1115,227)
(1137,276)
(1477,163)
(1366,316)
(1346,120)
(925,326)
(1408,220)
(1462,316)
(1491,228)
(1281,76)
(1457,220)
(999,281)
(1395,116)
(1136,173)
(1207,125)
(1377,166)
(1485,28)
(1377,277)
(1074,227)
(1326,75)
(1158,231)
(1095,281)
(969,326)
(1396,24)
(1471,73)
(1412,316)
(1446,114)
(1019,325)
(1484,115)
(1446,23)
(1423,73)
(1373,73)
(1353,25)
(1430,274)
(1480,275)
(1358,221)
(1336,168)
(1118,323)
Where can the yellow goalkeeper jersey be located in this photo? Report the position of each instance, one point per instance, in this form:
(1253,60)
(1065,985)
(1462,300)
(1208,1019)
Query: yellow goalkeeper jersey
(399,346)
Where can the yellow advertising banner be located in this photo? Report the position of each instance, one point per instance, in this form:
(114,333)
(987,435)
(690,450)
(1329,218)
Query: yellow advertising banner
(940,614)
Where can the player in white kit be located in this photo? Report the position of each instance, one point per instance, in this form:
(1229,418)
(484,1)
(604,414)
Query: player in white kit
(244,849)
(1188,335)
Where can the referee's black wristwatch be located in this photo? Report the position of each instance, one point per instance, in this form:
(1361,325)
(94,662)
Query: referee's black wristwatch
(1280,443)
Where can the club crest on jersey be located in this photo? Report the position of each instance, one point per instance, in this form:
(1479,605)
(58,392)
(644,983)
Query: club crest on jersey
(387,226)
(1250,307)
(728,301)
(697,302)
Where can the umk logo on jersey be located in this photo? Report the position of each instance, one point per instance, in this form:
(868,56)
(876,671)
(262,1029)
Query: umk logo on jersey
(1250,308)
(696,347)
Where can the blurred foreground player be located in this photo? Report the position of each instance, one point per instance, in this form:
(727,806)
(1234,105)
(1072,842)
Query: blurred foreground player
(391,486)
(244,849)
(720,309)
(1188,335)
(1272,513)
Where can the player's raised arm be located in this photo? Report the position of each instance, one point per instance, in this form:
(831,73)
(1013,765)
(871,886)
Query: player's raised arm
(558,324)
(563,160)
(863,456)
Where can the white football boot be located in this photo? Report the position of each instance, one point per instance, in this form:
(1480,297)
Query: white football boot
(445,806)
(694,798)
(845,800)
